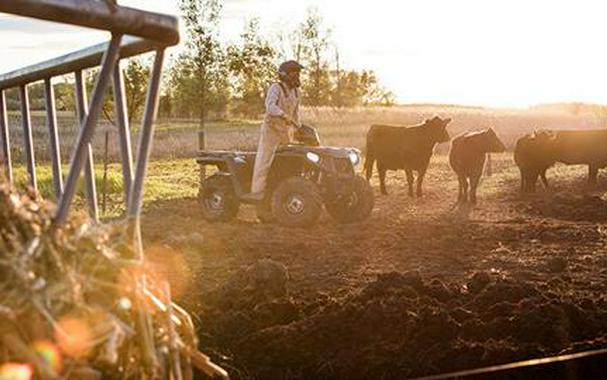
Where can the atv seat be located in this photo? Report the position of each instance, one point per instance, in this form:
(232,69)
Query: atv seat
(244,158)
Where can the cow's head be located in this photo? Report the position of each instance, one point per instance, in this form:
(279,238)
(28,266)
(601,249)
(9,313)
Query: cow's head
(543,144)
(543,136)
(438,128)
(494,144)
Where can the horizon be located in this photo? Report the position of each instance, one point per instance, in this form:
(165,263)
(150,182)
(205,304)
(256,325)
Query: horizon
(473,54)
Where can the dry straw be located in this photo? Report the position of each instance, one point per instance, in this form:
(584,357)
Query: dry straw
(72,306)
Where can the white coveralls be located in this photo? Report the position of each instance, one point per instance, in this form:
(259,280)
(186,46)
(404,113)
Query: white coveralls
(280,101)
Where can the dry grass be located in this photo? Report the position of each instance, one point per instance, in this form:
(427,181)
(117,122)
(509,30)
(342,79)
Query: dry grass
(339,127)
(349,127)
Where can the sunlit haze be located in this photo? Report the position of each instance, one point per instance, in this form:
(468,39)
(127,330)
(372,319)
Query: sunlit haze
(495,53)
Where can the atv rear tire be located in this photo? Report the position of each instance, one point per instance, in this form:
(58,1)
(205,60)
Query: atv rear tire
(217,199)
(356,207)
(296,202)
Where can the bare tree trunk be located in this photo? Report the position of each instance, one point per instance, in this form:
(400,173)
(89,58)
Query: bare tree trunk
(317,78)
(201,122)
(203,92)
(338,100)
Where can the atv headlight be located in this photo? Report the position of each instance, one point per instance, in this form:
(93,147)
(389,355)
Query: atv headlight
(315,158)
(354,158)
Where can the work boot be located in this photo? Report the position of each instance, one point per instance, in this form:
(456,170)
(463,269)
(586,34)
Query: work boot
(253,197)
(264,212)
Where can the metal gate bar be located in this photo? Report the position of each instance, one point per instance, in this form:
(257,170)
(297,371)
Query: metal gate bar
(75,63)
(87,130)
(26,122)
(6,145)
(145,136)
(51,120)
(124,132)
(72,62)
(582,365)
(89,168)
(146,32)
(99,15)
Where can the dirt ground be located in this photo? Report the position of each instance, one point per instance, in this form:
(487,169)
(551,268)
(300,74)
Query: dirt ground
(423,287)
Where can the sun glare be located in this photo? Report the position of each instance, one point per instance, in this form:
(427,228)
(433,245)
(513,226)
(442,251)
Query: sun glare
(489,53)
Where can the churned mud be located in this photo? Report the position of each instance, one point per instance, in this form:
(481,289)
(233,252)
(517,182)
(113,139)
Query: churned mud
(423,287)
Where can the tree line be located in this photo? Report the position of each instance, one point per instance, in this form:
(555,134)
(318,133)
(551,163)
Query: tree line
(211,78)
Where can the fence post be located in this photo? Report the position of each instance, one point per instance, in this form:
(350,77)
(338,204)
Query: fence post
(51,120)
(6,144)
(27,136)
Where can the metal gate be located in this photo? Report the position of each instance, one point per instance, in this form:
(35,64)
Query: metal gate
(133,32)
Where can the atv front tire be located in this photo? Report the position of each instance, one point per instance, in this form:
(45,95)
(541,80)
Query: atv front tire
(356,206)
(217,199)
(296,202)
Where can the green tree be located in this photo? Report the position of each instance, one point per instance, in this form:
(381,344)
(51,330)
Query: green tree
(199,77)
(253,66)
(312,47)
(360,89)
(64,95)
(136,80)
(373,92)
(136,75)
(350,90)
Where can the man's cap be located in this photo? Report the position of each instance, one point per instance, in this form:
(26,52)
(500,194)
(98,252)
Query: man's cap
(290,66)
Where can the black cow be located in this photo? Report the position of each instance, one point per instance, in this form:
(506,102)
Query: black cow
(534,155)
(581,148)
(467,159)
(408,148)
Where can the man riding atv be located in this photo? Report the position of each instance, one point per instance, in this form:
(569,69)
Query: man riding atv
(291,178)
(282,113)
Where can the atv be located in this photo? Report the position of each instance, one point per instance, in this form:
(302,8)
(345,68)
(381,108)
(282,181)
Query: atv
(303,178)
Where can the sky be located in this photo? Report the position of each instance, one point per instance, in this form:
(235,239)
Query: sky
(512,53)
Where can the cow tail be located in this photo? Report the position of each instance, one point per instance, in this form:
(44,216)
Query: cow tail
(369,154)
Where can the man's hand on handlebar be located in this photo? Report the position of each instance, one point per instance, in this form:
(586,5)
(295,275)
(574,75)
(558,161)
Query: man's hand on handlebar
(291,121)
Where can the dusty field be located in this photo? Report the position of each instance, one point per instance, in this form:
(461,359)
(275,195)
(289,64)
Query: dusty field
(340,127)
(422,287)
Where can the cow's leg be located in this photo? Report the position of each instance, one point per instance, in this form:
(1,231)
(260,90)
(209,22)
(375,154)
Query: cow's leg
(523,180)
(544,179)
(409,173)
(473,186)
(381,169)
(464,189)
(420,180)
(532,181)
(369,161)
(593,171)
